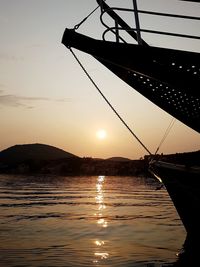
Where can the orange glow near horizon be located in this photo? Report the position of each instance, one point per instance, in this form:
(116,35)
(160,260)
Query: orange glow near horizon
(45,97)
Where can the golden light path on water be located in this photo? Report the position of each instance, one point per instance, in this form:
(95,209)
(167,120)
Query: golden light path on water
(100,253)
(91,221)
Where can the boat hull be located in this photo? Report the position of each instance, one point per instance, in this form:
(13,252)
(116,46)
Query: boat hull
(183,185)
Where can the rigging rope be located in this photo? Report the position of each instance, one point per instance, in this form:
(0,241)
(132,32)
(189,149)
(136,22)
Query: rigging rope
(82,21)
(107,101)
(166,134)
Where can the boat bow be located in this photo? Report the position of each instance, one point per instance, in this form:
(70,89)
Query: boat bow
(167,77)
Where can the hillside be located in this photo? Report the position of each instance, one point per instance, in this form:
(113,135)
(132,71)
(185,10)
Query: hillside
(118,159)
(46,159)
(22,153)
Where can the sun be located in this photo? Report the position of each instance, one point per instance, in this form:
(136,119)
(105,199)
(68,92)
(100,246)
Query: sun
(101,134)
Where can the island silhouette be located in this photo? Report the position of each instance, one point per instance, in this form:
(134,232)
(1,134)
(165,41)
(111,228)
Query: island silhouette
(46,159)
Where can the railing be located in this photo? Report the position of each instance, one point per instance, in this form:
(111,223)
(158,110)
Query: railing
(135,32)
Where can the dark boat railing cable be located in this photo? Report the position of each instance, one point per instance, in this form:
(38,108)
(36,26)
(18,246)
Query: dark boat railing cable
(117,114)
(98,89)
(90,78)
(107,101)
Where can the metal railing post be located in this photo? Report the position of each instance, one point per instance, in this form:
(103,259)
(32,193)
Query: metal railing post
(116,32)
(137,23)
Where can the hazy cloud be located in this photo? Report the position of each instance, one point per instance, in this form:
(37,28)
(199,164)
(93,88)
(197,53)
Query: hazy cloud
(10,57)
(2,86)
(23,101)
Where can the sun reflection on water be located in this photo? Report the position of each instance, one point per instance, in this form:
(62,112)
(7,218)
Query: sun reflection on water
(100,253)
(99,243)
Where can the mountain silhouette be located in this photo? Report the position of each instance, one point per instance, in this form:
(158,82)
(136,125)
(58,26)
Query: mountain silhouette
(21,153)
(118,159)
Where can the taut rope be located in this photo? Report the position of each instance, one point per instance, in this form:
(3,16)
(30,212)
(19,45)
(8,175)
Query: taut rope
(107,101)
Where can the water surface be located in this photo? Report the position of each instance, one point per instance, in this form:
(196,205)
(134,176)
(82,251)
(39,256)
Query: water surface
(86,221)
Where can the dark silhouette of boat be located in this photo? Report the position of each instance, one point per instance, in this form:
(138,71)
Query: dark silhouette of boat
(170,78)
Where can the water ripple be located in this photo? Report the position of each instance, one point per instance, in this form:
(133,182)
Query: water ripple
(86,221)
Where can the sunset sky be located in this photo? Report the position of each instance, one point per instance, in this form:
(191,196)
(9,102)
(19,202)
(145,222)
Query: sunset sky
(46,98)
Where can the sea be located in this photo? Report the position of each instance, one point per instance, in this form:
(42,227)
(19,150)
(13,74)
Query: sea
(87,221)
